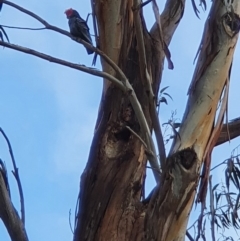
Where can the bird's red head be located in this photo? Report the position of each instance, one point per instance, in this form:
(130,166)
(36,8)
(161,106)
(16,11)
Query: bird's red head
(69,12)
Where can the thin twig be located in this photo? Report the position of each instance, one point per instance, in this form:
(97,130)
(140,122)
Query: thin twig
(9,215)
(69,220)
(22,28)
(127,86)
(207,213)
(159,136)
(146,76)
(82,68)
(95,30)
(189,236)
(66,33)
(16,175)
(3,171)
(160,34)
(212,210)
(124,86)
(136,135)
(227,87)
(145,3)
(139,6)
(76,212)
(224,162)
(145,130)
(87,17)
(200,220)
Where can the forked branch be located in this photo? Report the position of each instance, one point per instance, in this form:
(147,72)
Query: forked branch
(8,214)
(147,82)
(123,83)
(16,175)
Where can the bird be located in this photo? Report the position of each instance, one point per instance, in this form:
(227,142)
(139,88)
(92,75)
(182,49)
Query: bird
(78,27)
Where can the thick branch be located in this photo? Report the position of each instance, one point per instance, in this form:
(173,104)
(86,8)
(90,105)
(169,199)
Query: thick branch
(16,175)
(170,18)
(66,33)
(229,131)
(211,73)
(124,86)
(147,82)
(52,59)
(171,204)
(9,215)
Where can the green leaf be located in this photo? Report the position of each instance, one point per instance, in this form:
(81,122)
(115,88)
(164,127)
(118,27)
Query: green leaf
(162,90)
(168,95)
(164,100)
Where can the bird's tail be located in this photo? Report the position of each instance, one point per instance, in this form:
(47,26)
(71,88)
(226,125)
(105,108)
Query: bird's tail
(89,51)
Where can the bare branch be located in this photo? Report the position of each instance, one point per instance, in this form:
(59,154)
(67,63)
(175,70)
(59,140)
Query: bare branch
(22,28)
(145,130)
(69,221)
(144,3)
(148,86)
(125,86)
(170,18)
(16,175)
(223,162)
(45,23)
(95,29)
(159,136)
(3,169)
(212,209)
(229,131)
(160,34)
(9,215)
(66,33)
(132,97)
(211,144)
(136,135)
(234,131)
(82,68)
(218,126)
(189,236)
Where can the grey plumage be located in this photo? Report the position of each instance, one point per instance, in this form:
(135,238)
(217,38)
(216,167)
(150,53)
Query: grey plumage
(78,27)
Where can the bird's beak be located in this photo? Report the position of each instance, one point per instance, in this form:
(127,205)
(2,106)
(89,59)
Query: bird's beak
(66,14)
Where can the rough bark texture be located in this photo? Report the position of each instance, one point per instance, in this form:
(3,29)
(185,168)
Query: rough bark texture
(112,183)
(9,215)
(111,189)
(115,171)
(112,205)
(172,204)
(229,131)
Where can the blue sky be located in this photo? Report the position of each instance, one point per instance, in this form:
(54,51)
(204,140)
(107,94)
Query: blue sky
(49,111)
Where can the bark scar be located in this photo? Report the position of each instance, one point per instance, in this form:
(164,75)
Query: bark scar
(231,23)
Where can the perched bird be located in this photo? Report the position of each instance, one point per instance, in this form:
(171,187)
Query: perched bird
(78,27)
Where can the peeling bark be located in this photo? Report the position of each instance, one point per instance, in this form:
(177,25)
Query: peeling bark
(9,215)
(112,185)
(211,74)
(229,131)
(170,205)
(115,171)
(170,209)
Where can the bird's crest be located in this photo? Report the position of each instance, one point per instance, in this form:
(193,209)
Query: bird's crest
(69,12)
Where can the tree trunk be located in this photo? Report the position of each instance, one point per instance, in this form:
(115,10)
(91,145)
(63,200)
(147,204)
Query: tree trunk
(112,185)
